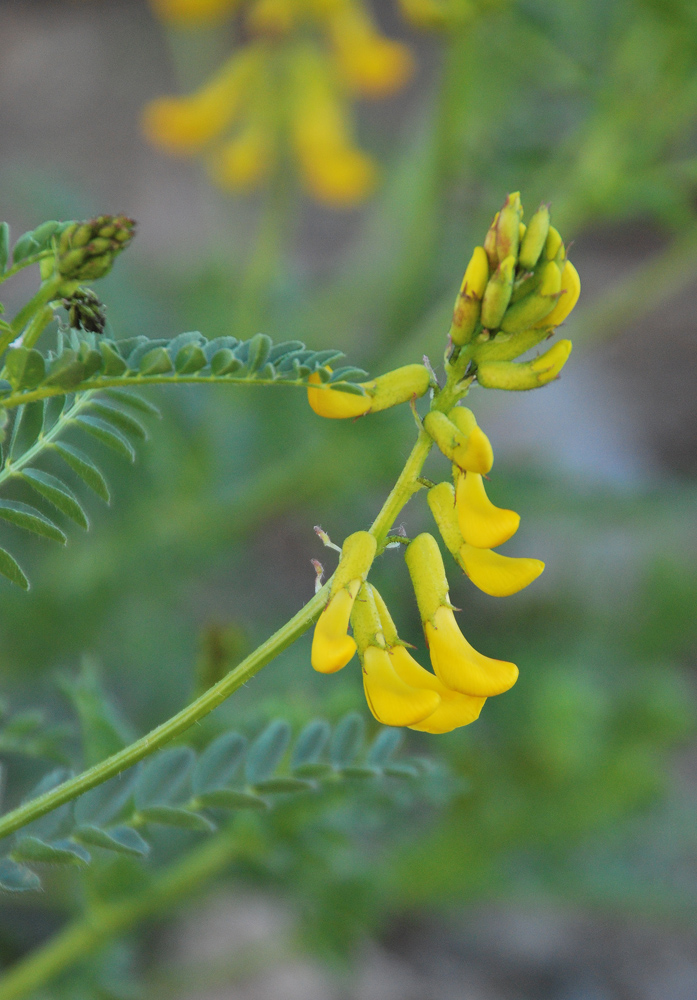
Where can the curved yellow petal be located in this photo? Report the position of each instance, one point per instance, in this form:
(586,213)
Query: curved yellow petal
(454,710)
(340,176)
(459,666)
(570,289)
(245,162)
(392,702)
(481,523)
(498,575)
(332,648)
(334,404)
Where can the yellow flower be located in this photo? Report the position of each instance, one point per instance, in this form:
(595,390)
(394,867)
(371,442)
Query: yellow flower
(481,523)
(332,647)
(460,438)
(391,389)
(371,65)
(399,691)
(455,662)
(245,162)
(194,13)
(186,125)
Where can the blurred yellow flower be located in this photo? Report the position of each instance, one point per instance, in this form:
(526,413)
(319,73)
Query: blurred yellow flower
(290,84)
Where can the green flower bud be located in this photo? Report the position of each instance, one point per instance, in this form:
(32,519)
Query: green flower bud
(86,250)
(517,376)
(508,227)
(535,238)
(498,294)
(539,303)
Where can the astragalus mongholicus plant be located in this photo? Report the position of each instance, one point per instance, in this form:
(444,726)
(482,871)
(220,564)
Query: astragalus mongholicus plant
(518,289)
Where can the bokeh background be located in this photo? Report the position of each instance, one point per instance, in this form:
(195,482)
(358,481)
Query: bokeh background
(567,869)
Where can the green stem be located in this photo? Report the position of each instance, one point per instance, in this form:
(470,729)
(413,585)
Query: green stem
(173,727)
(44,440)
(36,326)
(403,490)
(37,304)
(108,919)
(27,262)
(133,381)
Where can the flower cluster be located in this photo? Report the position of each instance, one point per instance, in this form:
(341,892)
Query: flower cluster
(399,691)
(519,286)
(292,84)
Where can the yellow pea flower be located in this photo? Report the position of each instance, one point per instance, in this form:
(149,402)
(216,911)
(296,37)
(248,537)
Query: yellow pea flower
(455,662)
(459,665)
(245,162)
(332,647)
(371,65)
(460,439)
(399,691)
(186,125)
(388,390)
(497,575)
(481,523)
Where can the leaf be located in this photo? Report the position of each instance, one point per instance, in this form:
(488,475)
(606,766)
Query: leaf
(57,493)
(176,816)
(25,246)
(347,740)
(103,731)
(193,337)
(328,357)
(43,233)
(28,425)
(59,852)
(30,519)
(190,359)
(117,417)
(122,839)
(17,878)
(259,349)
(164,777)
(48,825)
(277,786)
(318,770)
(114,364)
(356,771)
(310,743)
(24,367)
(384,746)
(134,400)
(348,374)
(107,435)
(224,362)
(141,346)
(230,798)
(266,751)
(10,568)
(66,371)
(4,246)
(105,802)
(288,346)
(155,362)
(84,467)
(219,762)
(401,771)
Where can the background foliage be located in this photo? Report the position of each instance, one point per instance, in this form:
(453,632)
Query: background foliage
(581,789)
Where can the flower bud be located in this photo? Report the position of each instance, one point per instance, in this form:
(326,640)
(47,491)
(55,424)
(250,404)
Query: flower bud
(481,523)
(85,253)
(535,238)
(490,244)
(469,449)
(553,244)
(508,227)
(469,301)
(455,662)
(570,290)
(516,376)
(498,294)
(441,500)
(387,390)
(539,303)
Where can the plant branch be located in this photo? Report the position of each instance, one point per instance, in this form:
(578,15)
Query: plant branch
(108,919)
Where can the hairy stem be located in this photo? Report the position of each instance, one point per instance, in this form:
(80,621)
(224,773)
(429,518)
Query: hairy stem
(173,727)
(108,919)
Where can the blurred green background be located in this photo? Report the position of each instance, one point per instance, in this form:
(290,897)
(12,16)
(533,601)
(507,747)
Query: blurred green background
(567,870)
